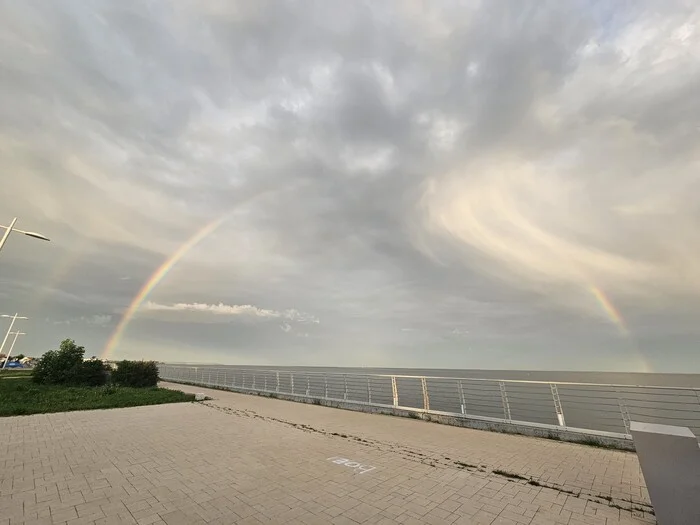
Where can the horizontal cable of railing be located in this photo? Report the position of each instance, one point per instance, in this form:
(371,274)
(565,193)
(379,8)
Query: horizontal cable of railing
(594,407)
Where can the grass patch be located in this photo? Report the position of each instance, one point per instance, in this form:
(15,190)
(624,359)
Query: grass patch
(15,372)
(22,397)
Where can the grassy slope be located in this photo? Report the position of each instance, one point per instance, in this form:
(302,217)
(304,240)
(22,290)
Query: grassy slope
(21,397)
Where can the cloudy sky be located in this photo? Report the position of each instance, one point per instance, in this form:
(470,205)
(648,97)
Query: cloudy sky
(497,184)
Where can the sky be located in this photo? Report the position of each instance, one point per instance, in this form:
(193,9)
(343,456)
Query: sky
(502,184)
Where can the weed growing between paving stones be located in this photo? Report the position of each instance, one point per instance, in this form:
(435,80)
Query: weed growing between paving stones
(510,475)
(607,500)
(592,442)
(22,397)
(461,464)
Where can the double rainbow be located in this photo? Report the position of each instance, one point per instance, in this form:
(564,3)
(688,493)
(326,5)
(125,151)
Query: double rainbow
(606,305)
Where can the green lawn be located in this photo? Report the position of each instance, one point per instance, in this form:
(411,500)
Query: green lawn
(22,397)
(15,372)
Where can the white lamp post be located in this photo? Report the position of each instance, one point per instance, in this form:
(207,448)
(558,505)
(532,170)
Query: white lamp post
(12,323)
(11,228)
(9,352)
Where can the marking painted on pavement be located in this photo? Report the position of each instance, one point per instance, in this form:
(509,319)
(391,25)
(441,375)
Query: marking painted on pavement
(356,466)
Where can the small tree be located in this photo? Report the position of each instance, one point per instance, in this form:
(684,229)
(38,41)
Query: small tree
(66,366)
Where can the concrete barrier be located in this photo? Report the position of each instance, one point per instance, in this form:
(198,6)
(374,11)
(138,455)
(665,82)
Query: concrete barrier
(670,461)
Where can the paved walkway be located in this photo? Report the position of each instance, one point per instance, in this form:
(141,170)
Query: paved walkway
(248,459)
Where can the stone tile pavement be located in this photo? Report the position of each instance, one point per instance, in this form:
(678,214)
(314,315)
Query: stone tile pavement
(248,459)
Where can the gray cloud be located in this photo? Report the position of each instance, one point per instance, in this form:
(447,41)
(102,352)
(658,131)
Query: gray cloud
(457,184)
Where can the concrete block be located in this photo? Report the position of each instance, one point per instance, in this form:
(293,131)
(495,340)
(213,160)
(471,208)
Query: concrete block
(670,460)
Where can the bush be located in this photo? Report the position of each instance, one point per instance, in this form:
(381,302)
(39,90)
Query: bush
(92,373)
(138,374)
(65,366)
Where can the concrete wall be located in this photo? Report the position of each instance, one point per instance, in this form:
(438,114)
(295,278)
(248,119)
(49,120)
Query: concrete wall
(670,461)
(493,425)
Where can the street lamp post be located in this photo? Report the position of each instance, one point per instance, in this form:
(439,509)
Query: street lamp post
(9,352)
(12,323)
(11,228)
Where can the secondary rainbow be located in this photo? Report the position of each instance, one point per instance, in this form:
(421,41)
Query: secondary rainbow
(155,278)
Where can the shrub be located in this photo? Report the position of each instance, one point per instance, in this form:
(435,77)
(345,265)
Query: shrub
(65,366)
(138,374)
(92,373)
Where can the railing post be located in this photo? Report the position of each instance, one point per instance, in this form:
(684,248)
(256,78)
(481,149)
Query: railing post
(345,382)
(557,404)
(308,386)
(253,380)
(265,385)
(242,379)
(369,390)
(426,396)
(624,412)
(209,380)
(504,399)
(462,402)
(394,391)
(277,375)
(291,380)
(325,386)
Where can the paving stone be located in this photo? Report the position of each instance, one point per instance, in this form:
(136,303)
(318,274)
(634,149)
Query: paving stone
(247,459)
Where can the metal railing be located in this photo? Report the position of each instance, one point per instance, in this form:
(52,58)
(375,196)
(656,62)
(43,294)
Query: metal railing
(596,408)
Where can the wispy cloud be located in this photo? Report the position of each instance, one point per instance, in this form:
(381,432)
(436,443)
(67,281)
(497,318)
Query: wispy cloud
(242,311)
(101,320)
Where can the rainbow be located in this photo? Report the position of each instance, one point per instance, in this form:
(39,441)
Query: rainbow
(612,313)
(155,278)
